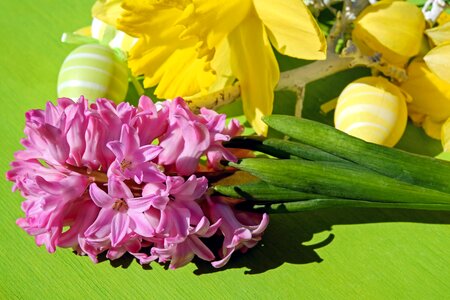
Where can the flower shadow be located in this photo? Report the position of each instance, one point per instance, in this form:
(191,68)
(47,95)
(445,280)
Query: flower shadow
(288,237)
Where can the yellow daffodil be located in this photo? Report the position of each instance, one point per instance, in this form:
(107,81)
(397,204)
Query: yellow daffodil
(430,106)
(196,47)
(393,29)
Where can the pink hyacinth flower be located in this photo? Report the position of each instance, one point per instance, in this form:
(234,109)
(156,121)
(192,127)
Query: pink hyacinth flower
(150,123)
(219,133)
(121,213)
(181,253)
(190,136)
(185,140)
(176,188)
(133,160)
(241,230)
(92,182)
(48,207)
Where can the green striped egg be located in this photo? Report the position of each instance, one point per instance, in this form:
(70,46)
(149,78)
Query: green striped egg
(93,71)
(372,109)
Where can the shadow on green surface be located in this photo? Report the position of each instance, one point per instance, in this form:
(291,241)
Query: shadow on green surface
(287,235)
(288,238)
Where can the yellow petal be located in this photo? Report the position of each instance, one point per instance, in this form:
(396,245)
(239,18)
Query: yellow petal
(444,17)
(292,29)
(445,136)
(254,64)
(438,60)
(222,68)
(440,34)
(159,54)
(211,21)
(432,128)
(107,10)
(431,95)
(184,75)
(393,29)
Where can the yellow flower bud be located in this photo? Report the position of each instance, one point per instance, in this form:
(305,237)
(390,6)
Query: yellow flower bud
(393,29)
(430,104)
(372,109)
(445,136)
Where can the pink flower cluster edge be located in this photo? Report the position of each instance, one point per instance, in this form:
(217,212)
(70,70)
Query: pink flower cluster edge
(114,178)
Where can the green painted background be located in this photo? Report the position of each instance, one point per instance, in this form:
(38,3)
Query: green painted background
(333,254)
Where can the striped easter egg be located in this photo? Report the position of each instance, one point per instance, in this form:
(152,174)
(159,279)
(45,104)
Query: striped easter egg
(116,38)
(445,135)
(372,109)
(94,71)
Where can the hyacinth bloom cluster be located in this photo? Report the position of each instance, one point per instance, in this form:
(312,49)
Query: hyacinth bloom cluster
(114,178)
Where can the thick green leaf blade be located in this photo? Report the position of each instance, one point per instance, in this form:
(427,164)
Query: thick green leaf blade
(398,164)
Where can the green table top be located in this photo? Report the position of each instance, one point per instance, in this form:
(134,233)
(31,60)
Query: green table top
(339,253)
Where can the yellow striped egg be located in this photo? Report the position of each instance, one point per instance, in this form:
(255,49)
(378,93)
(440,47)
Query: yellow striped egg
(94,71)
(372,109)
(118,39)
(445,135)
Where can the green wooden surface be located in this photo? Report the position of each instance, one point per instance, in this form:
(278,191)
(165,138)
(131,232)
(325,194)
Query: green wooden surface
(337,254)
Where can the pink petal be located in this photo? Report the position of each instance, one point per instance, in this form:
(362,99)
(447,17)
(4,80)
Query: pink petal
(224,260)
(140,204)
(151,189)
(117,148)
(142,225)
(102,225)
(196,137)
(129,139)
(182,256)
(173,144)
(115,253)
(119,189)
(100,198)
(119,228)
(199,248)
(149,152)
(144,258)
(262,226)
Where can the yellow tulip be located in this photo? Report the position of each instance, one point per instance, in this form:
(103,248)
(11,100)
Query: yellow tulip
(372,109)
(197,47)
(393,29)
(430,105)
